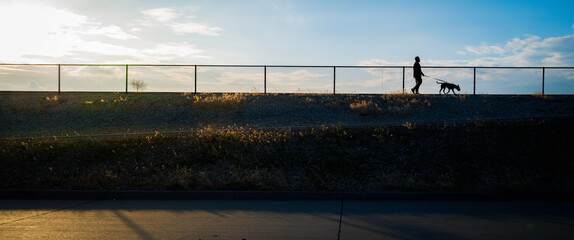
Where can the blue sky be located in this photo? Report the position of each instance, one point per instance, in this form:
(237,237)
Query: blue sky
(305,32)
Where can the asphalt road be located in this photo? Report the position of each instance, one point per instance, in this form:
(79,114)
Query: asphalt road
(273,219)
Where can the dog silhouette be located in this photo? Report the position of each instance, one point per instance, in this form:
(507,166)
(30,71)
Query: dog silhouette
(446,85)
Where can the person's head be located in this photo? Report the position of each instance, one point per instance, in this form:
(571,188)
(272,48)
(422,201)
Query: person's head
(417,59)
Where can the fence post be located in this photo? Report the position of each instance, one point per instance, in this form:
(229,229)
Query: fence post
(126,79)
(474,83)
(403,79)
(59,89)
(264,79)
(334,82)
(543,75)
(195,79)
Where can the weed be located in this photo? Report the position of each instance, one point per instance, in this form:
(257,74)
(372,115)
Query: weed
(50,102)
(474,157)
(225,100)
(326,158)
(462,97)
(542,96)
(409,125)
(308,101)
(138,85)
(406,105)
(120,99)
(364,108)
(401,94)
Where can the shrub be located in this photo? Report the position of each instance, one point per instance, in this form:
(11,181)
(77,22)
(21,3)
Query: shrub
(138,84)
(364,108)
(225,100)
(48,102)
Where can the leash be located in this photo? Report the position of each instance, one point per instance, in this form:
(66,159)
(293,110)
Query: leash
(437,79)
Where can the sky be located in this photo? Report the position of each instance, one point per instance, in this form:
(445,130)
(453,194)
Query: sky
(297,32)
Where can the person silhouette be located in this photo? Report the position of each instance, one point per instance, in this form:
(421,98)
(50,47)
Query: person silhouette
(417,74)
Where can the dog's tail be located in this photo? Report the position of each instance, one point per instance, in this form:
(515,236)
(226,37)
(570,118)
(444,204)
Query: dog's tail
(437,82)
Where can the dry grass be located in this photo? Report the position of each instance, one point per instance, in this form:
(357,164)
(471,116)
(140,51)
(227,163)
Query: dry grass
(308,101)
(410,157)
(48,102)
(37,114)
(399,95)
(403,105)
(364,108)
(480,157)
(409,125)
(225,100)
(544,97)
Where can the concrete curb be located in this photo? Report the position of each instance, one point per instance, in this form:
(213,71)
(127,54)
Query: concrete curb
(284,195)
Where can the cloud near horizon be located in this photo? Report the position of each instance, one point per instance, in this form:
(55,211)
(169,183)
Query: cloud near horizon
(529,51)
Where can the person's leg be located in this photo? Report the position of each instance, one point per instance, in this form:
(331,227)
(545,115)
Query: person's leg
(416,88)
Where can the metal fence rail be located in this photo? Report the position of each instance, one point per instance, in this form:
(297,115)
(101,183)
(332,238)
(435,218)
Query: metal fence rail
(281,78)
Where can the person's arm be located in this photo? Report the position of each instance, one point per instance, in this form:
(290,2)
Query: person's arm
(420,68)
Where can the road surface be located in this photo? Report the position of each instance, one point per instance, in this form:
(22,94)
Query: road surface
(274,219)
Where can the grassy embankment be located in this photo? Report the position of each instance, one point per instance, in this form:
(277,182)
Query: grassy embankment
(479,156)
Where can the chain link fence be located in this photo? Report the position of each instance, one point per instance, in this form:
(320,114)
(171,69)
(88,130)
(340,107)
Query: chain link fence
(361,80)
(559,81)
(92,78)
(299,79)
(508,81)
(29,78)
(282,79)
(161,79)
(229,79)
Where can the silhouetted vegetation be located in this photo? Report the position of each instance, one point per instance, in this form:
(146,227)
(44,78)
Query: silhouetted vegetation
(139,85)
(523,155)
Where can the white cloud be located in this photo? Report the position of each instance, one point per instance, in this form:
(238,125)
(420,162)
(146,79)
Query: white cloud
(29,29)
(100,48)
(293,77)
(531,51)
(514,45)
(169,17)
(198,28)
(113,31)
(517,44)
(50,33)
(161,14)
(481,50)
(40,34)
(239,78)
(380,62)
(173,49)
